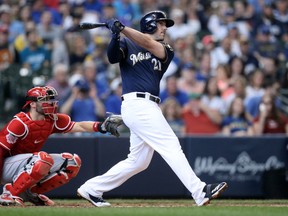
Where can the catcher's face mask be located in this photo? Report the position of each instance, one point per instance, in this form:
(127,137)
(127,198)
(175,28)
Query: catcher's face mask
(45,98)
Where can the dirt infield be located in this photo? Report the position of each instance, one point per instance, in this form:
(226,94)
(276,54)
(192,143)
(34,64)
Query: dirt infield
(157,203)
(123,203)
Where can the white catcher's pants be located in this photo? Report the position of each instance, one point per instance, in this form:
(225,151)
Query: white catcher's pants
(149,131)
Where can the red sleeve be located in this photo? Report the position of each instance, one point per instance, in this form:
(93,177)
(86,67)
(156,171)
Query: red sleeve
(17,128)
(63,124)
(14,130)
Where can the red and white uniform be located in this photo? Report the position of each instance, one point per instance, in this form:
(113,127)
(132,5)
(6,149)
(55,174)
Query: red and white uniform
(22,139)
(23,135)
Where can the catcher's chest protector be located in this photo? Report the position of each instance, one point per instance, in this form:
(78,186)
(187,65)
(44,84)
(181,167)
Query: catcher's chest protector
(37,132)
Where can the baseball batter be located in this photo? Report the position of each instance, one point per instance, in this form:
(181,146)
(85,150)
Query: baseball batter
(25,170)
(143,58)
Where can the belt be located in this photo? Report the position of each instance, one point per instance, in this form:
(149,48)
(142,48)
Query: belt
(141,95)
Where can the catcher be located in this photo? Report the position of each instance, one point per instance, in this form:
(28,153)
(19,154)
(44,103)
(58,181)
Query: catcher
(27,172)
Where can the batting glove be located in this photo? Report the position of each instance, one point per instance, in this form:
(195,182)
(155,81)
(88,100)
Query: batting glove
(115,26)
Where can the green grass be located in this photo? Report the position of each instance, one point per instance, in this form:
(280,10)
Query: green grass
(154,207)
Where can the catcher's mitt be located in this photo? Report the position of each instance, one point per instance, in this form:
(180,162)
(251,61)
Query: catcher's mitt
(111,124)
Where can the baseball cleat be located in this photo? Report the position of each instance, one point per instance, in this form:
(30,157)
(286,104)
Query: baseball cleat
(96,201)
(6,199)
(212,191)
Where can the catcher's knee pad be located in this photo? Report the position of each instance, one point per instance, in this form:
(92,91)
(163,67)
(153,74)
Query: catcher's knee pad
(33,172)
(67,171)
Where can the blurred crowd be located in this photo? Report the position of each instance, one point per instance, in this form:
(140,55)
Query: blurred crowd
(229,75)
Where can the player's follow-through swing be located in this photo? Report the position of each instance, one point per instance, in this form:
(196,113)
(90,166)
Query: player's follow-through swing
(149,130)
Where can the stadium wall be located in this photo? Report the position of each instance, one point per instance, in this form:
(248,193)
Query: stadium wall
(254,167)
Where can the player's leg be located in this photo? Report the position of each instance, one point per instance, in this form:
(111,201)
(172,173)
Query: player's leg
(163,140)
(66,166)
(138,160)
(23,171)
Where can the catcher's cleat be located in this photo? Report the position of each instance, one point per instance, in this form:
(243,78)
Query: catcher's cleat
(212,191)
(40,200)
(6,199)
(96,201)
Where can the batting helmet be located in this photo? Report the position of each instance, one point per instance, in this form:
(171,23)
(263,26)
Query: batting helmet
(46,93)
(148,22)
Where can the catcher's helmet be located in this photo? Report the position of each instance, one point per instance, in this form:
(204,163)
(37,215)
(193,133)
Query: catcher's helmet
(148,22)
(46,93)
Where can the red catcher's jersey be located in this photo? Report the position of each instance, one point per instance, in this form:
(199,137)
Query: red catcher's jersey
(23,135)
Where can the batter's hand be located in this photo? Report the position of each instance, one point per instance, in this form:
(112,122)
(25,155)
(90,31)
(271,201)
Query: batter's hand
(115,26)
(111,124)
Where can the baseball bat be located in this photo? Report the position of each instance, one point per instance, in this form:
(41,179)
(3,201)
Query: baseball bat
(86,26)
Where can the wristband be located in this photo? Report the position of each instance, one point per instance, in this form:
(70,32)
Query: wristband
(97,127)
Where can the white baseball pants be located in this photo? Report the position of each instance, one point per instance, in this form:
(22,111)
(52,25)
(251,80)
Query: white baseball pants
(149,131)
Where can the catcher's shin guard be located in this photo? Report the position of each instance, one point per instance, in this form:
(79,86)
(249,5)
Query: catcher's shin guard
(31,174)
(68,170)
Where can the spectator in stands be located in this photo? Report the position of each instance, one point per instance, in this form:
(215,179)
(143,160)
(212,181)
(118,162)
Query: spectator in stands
(83,104)
(270,119)
(96,81)
(251,63)
(38,7)
(271,70)
(181,29)
(223,75)
(239,90)
(222,53)
(24,15)
(6,49)
(113,101)
(281,12)
(255,87)
(191,12)
(15,26)
(49,31)
(59,81)
(172,111)
(283,92)
(212,99)
(93,5)
(65,9)
(21,41)
(265,46)
(285,42)
(237,68)
(235,122)
(266,17)
(172,90)
(74,29)
(252,103)
(77,49)
(188,82)
(209,43)
(218,25)
(217,20)
(234,35)
(204,69)
(243,11)
(108,12)
(127,11)
(202,114)
(53,39)
(77,73)
(34,57)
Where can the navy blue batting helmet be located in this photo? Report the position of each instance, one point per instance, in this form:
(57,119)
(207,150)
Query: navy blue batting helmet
(148,22)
